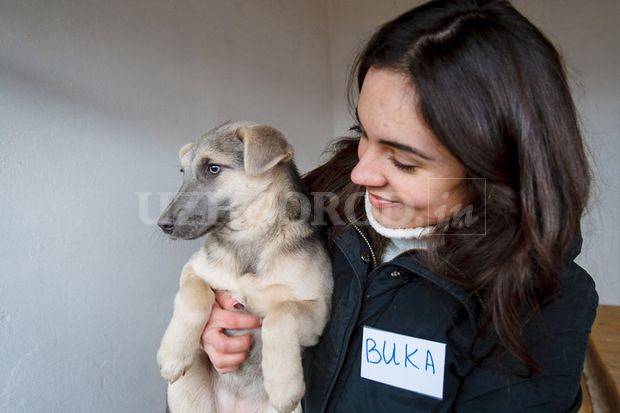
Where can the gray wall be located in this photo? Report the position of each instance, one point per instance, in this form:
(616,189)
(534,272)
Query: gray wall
(96,98)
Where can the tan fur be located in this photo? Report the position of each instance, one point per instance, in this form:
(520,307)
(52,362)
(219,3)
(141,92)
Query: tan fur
(290,289)
(263,148)
(185,149)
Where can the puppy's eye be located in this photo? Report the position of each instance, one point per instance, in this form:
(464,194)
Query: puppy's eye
(214,169)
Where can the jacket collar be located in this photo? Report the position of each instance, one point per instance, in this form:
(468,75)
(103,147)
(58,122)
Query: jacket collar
(354,243)
(575,247)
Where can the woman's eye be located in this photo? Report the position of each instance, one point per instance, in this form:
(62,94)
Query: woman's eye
(403,167)
(406,168)
(214,169)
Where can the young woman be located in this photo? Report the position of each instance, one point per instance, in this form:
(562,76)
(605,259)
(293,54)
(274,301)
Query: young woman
(468,165)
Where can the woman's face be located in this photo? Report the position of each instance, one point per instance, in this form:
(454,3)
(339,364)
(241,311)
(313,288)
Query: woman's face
(412,180)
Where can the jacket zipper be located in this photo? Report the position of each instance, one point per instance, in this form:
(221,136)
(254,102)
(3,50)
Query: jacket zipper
(342,356)
(372,252)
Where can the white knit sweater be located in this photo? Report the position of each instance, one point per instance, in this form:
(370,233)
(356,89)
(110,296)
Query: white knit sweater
(401,239)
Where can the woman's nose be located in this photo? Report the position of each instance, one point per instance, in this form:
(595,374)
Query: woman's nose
(368,170)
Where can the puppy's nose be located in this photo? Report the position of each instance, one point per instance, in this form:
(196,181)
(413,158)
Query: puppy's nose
(166,223)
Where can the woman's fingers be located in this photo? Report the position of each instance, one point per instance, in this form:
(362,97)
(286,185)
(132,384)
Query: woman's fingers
(227,352)
(223,315)
(229,360)
(224,343)
(226,301)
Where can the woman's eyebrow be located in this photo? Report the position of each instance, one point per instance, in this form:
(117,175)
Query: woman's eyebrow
(406,148)
(396,145)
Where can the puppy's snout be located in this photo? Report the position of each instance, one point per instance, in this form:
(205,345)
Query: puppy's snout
(166,223)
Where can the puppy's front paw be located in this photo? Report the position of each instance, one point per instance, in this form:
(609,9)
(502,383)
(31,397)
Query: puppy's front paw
(285,395)
(172,362)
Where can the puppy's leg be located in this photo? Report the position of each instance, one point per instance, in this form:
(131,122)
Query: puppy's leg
(192,308)
(298,409)
(284,328)
(192,392)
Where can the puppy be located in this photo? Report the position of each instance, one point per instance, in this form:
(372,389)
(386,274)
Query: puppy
(242,191)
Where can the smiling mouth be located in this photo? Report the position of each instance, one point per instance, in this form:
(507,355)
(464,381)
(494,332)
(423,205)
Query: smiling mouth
(379,202)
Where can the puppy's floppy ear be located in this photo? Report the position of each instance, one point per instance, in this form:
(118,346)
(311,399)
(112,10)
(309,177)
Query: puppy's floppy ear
(185,149)
(263,148)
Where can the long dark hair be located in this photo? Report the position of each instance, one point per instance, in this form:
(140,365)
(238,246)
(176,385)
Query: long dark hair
(493,90)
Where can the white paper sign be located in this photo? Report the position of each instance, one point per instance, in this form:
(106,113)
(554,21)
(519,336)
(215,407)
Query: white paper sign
(406,362)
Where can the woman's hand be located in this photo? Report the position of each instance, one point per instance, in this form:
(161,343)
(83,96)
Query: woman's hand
(226,353)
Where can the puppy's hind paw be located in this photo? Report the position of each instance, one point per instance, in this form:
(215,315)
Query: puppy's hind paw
(285,397)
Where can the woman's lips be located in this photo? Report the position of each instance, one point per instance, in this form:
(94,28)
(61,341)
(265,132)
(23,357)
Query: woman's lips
(379,202)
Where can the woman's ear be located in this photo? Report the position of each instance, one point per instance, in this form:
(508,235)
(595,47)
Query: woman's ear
(263,148)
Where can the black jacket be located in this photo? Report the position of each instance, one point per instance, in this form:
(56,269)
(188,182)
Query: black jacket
(403,296)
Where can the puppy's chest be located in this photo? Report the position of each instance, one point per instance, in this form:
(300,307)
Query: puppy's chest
(226,271)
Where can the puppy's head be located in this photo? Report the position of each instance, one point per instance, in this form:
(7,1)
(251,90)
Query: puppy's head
(223,172)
